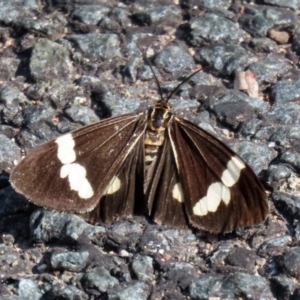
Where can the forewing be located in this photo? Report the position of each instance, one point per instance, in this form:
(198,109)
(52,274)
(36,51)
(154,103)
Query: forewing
(221,193)
(72,172)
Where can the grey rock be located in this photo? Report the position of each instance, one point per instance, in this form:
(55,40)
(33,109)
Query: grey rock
(275,246)
(97,46)
(39,126)
(134,291)
(283,286)
(69,261)
(99,279)
(7,130)
(180,106)
(8,67)
(29,290)
(128,228)
(67,292)
(202,78)
(91,14)
(293,4)
(168,242)
(52,26)
(109,25)
(285,91)
(281,135)
(232,113)
(250,127)
(131,68)
(7,256)
(50,61)
(258,20)
(278,172)
(118,105)
(143,268)
(233,96)
(242,258)
(82,114)
(289,205)
(93,83)
(35,114)
(292,158)
(36,90)
(60,93)
(233,107)
(291,262)
(12,202)
(224,59)
(214,28)
(12,11)
(264,45)
(124,237)
(9,153)
(284,113)
(297,231)
(121,15)
(231,286)
(10,100)
(269,68)
(210,4)
(174,59)
(181,273)
(218,257)
(296,37)
(35,134)
(47,225)
(168,15)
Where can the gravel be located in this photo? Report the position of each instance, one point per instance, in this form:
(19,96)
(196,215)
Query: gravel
(66,64)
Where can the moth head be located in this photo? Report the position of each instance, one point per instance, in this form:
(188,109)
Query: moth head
(160,116)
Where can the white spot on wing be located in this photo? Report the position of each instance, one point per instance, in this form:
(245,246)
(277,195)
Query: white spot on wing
(64,171)
(216,193)
(77,174)
(232,174)
(85,190)
(113,186)
(77,179)
(226,195)
(214,196)
(65,151)
(200,209)
(177,192)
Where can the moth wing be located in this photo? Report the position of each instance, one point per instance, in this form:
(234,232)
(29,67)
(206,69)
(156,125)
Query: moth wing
(164,195)
(221,192)
(128,200)
(72,172)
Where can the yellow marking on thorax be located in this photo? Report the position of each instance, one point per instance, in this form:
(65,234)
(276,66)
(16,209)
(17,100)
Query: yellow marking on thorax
(154,140)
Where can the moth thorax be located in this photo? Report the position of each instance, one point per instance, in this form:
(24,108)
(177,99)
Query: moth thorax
(159,117)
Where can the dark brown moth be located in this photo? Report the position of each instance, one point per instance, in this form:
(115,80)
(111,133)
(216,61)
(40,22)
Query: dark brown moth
(153,163)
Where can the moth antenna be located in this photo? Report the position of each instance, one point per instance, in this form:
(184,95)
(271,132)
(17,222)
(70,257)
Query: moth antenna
(156,79)
(157,82)
(183,82)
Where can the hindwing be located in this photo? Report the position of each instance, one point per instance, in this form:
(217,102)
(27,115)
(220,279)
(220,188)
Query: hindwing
(164,195)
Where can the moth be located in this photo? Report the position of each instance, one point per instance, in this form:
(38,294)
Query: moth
(152,163)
